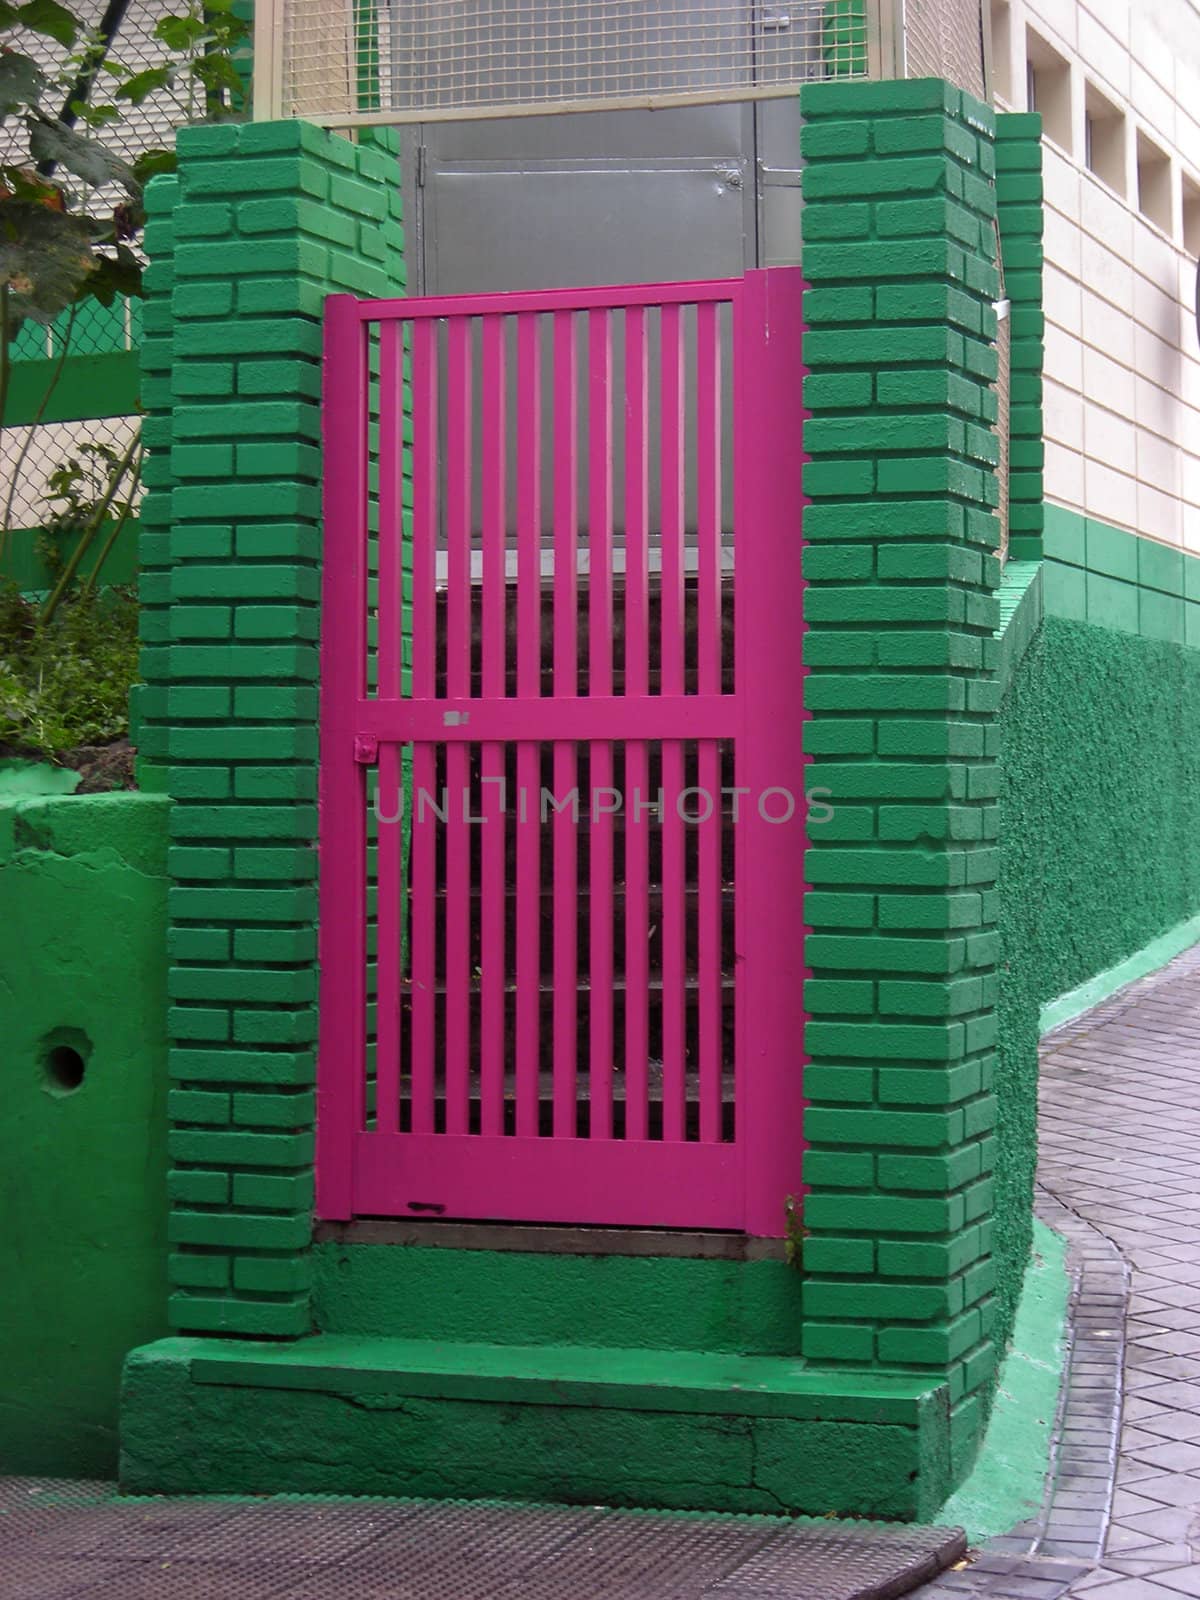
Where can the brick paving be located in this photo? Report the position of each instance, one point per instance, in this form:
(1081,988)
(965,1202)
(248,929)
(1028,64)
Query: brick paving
(1120,1176)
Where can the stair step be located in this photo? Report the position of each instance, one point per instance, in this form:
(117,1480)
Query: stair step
(563,1375)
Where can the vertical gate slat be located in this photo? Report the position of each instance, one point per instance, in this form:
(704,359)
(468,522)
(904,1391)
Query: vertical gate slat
(492,959)
(709,681)
(637,676)
(342,1085)
(529,671)
(388,857)
(422,917)
(671,603)
(600,682)
(566,679)
(770,672)
(458,756)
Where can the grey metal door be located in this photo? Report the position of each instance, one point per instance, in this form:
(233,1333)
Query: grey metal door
(604,197)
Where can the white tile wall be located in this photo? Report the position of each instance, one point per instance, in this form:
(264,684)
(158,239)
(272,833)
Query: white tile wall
(1122,391)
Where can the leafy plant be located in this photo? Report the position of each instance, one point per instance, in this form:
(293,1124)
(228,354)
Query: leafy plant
(87,486)
(66,683)
(71,214)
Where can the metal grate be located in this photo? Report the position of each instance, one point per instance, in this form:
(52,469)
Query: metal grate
(63,1541)
(944,39)
(424,60)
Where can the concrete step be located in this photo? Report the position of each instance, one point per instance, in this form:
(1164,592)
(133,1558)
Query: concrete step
(580,1424)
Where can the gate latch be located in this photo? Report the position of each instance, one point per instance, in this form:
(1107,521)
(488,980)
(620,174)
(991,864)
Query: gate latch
(366,749)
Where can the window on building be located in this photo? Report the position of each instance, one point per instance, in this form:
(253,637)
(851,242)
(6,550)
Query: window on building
(1104,139)
(1191,215)
(1048,89)
(1001,51)
(1153,182)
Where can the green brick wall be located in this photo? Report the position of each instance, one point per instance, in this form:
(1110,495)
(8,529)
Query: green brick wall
(1019,214)
(261,222)
(899,251)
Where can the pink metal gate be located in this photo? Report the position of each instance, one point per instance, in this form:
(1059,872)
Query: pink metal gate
(562,841)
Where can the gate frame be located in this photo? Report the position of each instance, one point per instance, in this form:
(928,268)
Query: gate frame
(768,497)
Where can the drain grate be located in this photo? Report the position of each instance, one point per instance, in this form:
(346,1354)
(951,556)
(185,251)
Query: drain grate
(82,1541)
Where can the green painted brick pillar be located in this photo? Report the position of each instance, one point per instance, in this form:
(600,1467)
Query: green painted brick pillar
(260,224)
(1020,216)
(899,251)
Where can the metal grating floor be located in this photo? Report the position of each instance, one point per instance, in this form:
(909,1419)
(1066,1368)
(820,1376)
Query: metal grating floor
(81,1541)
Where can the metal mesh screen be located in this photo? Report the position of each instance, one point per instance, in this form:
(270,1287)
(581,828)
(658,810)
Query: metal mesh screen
(944,39)
(424,60)
(26,464)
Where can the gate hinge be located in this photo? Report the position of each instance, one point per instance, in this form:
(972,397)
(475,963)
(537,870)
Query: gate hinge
(366,749)
(421,161)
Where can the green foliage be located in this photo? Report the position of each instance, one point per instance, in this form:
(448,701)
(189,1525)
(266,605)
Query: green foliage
(62,237)
(75,490)
(66,683)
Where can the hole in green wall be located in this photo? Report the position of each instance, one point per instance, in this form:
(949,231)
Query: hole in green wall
(63,1056)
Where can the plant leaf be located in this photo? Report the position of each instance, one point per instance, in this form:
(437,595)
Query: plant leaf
(180,33)
(143,84)
(48,17)
(45,257)
(153,162)
(86,158)
(114,275)
(22,81)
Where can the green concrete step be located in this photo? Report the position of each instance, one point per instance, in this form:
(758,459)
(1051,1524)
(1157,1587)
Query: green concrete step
(587,1425)
(563,1375)
(472,1294)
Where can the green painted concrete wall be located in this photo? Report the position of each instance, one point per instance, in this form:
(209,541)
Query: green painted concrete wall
(1113,579)
(24,563)
(1100,802)
(83,904)
(526,1298)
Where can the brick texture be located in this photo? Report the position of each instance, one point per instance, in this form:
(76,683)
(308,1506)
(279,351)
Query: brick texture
(1019,214)
(900,234)
(260,223)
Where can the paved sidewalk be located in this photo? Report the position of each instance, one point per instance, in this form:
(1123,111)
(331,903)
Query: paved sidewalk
(1120,1170)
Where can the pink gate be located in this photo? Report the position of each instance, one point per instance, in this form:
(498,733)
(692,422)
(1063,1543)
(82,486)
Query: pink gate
(562,839)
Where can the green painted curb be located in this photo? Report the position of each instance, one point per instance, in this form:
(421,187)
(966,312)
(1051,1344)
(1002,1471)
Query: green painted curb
(1008,1480)
(1149,959)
